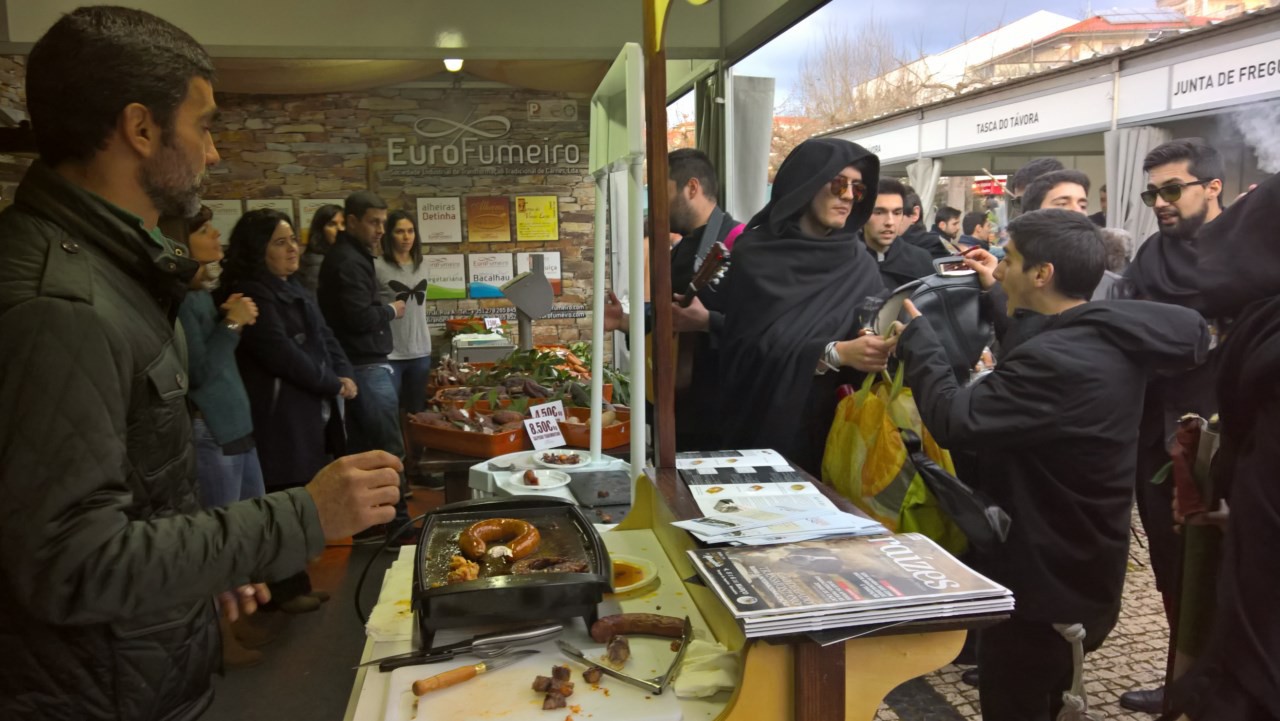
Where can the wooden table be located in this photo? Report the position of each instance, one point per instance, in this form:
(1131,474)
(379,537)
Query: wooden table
(822,678)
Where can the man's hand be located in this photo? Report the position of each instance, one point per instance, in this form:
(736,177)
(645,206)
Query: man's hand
(398,307)
(243,600)
(984,263)
(349,388)
(356,492)
(869,353)
(614,318)
(240,308)
(694,319)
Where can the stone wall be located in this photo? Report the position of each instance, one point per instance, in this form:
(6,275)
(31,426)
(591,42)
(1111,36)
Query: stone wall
(328,145)
(13,103)
(325,146)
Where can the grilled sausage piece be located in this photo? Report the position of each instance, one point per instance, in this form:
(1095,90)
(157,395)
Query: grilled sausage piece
(636,624)
(521,536)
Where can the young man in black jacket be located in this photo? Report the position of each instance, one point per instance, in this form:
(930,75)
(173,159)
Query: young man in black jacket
(352,305)
(899,261)
(1184,189)
(1055,428)
(109,564)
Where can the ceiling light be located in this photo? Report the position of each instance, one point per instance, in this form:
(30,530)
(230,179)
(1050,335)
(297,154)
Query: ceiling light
(453,65)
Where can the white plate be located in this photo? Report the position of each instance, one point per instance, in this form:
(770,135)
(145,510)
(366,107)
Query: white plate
(546,480)
(649,571)
(583,459)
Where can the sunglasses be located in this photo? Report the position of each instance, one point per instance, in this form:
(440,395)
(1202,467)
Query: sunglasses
(841,184)
(1168,193)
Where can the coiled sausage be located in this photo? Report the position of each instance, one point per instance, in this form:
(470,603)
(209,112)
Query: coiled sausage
(521,537)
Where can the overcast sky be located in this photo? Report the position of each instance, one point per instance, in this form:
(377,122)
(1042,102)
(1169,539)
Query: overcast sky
(928,25)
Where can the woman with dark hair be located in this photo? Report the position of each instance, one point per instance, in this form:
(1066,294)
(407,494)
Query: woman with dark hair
(227,468)
(403,276)
(325,226)
(292,366)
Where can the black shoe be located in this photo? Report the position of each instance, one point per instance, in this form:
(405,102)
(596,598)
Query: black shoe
(970,677)
(1146,701)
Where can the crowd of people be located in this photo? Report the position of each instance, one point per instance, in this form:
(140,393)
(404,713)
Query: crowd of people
(1099,353)
(186,423)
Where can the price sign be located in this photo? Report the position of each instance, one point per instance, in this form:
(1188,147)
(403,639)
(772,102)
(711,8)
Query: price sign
(554,409)
(492,323)
(544,432)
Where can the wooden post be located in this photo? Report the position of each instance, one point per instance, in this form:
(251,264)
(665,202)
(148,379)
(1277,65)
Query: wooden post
(661,338)
(819,679)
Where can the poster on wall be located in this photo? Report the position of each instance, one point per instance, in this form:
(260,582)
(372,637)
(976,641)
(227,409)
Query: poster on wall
(550,267)
(307,208)
(446,276)
(487,273)
(284,205)
(439,220)
(537,218)
(488,219)
(225,215)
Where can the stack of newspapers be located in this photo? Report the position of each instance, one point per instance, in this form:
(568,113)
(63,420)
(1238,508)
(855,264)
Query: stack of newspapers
(812,586)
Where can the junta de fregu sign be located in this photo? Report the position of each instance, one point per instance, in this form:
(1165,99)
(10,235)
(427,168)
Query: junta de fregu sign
(477,147)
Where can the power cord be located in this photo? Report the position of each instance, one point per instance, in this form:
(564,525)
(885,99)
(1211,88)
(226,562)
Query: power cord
(364,619)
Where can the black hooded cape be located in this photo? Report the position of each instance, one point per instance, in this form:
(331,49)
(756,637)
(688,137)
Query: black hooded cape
(791,294)
(1239,273)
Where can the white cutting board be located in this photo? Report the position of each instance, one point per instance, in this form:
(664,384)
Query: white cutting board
(507,694)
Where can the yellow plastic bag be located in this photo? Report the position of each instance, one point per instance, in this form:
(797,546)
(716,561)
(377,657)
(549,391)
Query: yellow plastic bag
(866,461)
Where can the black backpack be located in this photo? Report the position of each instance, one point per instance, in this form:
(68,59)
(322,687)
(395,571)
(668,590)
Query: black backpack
(951,300)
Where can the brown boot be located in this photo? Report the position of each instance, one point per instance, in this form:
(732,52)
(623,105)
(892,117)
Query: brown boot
(256,632)
(235,655)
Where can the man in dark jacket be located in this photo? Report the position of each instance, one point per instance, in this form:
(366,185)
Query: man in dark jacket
(351,302)
(696,215)
(1184,188)
(899,261)
(1054,428)
(975,231)
(110,568)
(912,216)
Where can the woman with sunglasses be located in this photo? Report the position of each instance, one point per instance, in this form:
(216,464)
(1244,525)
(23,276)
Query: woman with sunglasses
(799,278)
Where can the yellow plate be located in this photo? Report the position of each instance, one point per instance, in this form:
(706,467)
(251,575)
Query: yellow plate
(631,572)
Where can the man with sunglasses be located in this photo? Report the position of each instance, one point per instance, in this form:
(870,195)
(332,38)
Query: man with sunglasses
(1184,188)
(900,262)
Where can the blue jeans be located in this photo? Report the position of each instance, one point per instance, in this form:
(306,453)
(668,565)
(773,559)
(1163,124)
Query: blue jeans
(224,479)
(373,420)
(409,378)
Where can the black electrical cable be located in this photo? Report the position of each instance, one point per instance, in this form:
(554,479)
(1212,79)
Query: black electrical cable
(364,620)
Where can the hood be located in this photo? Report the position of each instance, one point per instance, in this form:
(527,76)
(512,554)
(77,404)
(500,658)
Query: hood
(1163,336)
(1239,252)
(806,170)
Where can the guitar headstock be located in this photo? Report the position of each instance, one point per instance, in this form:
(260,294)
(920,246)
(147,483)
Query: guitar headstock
(710,273)
(712,270)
